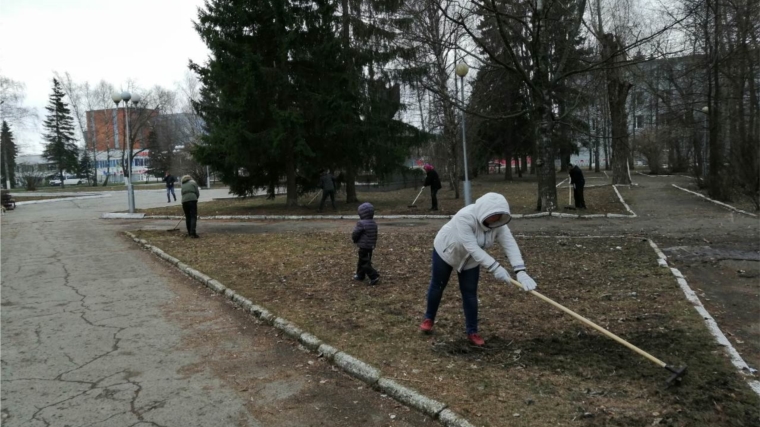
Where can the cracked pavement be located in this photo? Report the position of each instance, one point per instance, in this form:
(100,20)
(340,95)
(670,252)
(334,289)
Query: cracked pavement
(96,332)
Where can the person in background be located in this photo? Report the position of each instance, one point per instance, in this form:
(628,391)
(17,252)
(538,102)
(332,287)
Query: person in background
(169,180)
(459,245)
(327,184)
(365,237)
(434,182)
(190,196)
(577,181)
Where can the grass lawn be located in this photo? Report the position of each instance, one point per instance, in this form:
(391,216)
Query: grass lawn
(520,193)
(539,367)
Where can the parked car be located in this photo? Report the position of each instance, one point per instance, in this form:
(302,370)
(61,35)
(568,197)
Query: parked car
(66,181)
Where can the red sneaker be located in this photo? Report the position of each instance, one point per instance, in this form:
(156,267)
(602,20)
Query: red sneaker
(476,340)
(426,326)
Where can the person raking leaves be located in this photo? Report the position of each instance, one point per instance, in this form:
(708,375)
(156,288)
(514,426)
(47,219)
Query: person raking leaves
(459,246)
(433,181)
(190,196)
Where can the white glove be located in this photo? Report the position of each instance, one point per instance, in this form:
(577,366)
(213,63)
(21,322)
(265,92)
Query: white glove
(528,283)
(501,274)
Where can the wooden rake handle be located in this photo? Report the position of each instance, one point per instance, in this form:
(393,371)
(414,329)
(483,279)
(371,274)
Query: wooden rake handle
(594,325)
(418,195)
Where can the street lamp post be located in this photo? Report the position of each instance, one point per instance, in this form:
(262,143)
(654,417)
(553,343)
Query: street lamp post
(461,70)
(5,158)
(705,110)
(126,97)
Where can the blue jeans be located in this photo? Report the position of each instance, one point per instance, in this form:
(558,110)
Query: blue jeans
(170,191)
(468,286)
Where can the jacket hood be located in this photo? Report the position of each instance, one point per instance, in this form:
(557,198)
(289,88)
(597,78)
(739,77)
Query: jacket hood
(366,211)
(186,178)
(492,204)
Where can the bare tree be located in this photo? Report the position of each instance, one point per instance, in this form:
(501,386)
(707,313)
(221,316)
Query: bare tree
(435,40)
(12,109)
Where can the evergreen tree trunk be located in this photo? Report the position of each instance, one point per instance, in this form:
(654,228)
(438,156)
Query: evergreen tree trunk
(508,160)
(351,185)
(290,173)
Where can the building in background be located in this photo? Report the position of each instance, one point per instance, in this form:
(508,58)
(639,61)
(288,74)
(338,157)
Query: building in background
(106,129)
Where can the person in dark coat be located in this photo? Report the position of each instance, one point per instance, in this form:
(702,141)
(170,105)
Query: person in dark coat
(577,181)
(190,196)
(434,182)
(365,237)
(170,180)
(327,184)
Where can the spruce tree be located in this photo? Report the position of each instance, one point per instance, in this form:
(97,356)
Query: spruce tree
(85,169)
(265,96)
(9,153)
(61,147)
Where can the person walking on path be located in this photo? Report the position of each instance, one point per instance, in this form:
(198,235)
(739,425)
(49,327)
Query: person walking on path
(190,196)
(434,182)
(577,181)
(327,184)
(170,180)
(365,237)
(459,245)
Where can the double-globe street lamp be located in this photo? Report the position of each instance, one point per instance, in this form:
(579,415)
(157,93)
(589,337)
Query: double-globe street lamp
(461,70)
(135,99)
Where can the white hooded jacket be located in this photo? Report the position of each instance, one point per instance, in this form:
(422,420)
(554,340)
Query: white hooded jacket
(461,241)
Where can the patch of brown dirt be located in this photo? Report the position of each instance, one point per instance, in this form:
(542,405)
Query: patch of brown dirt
(538,363)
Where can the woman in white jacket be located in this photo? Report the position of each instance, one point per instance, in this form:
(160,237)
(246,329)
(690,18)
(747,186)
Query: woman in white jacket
(459,245)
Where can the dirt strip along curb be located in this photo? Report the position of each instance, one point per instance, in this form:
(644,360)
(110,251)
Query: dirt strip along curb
(61,199)
(116,215)
(712,325)
(715,201)
(349,364)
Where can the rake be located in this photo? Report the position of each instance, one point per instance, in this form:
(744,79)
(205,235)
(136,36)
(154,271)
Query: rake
(415,199)
(676,372)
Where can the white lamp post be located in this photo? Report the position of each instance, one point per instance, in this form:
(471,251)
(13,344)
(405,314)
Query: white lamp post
(461,70)
(705,110)
(126,97)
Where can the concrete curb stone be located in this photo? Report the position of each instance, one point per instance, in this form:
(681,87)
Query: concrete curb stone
(327,351)
(198,275)
(216,286)
(245,303)
(355,367)
(310,341)
(287,328)
(266,316)
(450,419)
(229,293)
(410,397)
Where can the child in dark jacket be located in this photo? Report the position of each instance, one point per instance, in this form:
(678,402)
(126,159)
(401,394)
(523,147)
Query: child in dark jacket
(365,237)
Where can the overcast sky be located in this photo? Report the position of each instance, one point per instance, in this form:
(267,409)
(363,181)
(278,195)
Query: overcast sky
(148,41)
